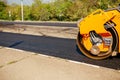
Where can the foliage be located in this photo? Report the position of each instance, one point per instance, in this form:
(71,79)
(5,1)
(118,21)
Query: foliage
(3,14)
(14,12)
(59,10)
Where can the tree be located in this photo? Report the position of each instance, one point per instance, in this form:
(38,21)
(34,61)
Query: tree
(36,9)
(59,10)
(3,12)
(27,12)
(15,10)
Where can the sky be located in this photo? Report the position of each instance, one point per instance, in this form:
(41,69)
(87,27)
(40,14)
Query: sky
(26,2)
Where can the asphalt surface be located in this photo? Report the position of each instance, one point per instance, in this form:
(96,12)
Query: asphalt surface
(58,47)
(42,23)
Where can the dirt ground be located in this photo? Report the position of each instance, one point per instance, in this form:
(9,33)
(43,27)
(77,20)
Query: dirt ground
(62,32)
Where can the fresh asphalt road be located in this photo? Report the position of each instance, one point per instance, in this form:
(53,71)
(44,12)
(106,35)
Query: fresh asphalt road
(57,47)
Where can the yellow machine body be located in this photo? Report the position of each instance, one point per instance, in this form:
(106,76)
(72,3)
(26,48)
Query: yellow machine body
(96,21)
(99,34)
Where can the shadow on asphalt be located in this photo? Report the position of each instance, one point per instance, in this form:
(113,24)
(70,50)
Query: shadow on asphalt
(57,47)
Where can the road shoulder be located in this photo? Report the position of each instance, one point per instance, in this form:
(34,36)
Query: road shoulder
(22,65)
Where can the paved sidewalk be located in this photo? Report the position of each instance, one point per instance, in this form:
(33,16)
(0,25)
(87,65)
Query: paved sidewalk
(22,65)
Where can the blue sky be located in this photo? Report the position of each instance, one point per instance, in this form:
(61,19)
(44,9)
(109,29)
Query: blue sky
(25,1)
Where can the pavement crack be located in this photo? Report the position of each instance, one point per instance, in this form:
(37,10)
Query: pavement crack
(13,62)
(42,34)
(1,66)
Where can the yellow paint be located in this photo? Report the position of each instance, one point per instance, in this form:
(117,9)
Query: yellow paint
(96,21)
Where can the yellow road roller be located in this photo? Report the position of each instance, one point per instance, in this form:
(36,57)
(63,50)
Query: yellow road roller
(99,34)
